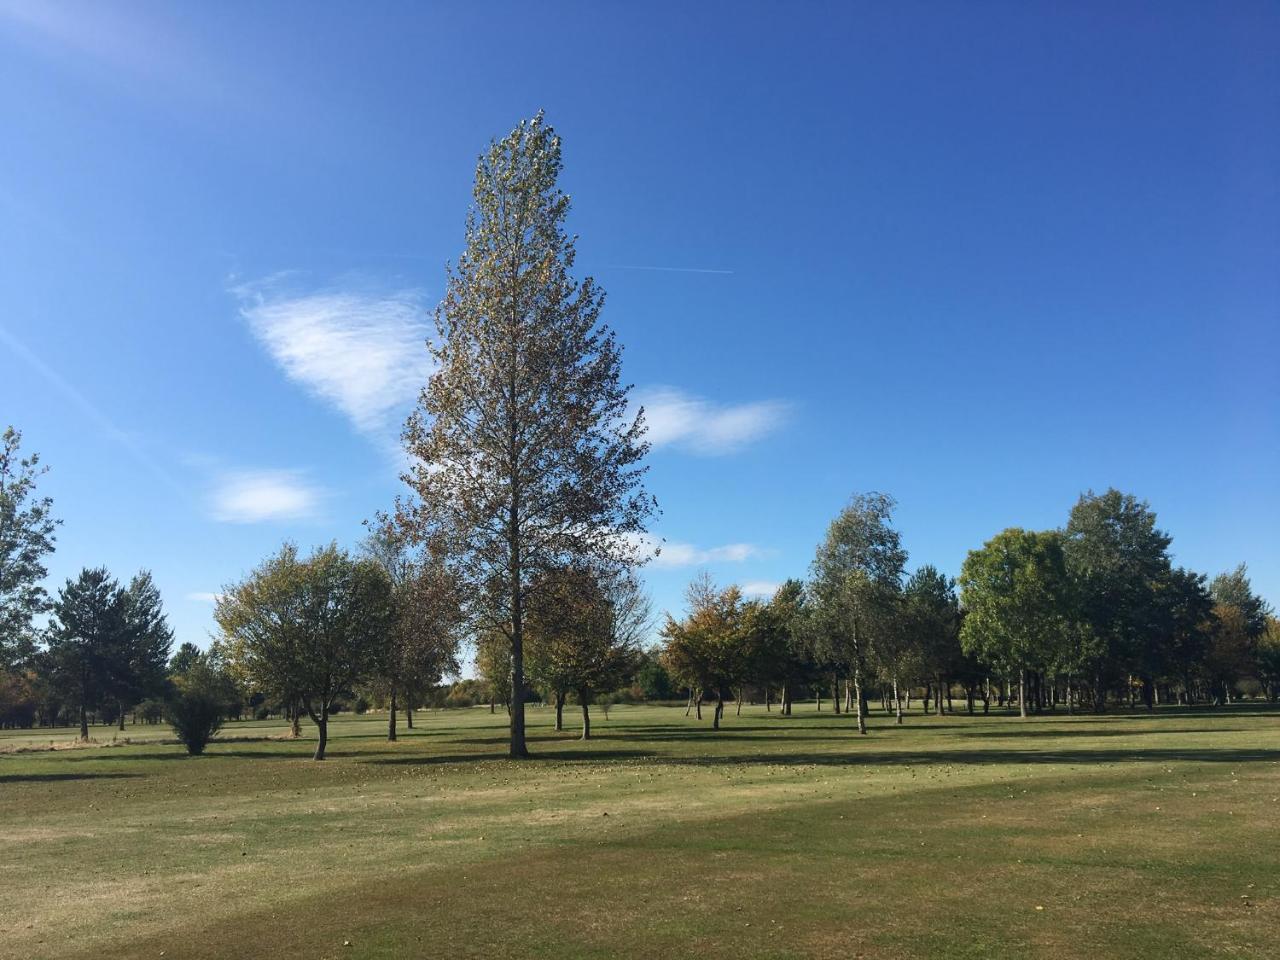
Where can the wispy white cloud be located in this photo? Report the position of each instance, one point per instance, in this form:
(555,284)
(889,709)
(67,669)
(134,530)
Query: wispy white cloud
(760,588)
(256,496)
(681,419)
(673,554)
(200,596)
(364,354)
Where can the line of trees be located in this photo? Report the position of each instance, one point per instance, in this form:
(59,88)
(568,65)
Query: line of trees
(1091,614)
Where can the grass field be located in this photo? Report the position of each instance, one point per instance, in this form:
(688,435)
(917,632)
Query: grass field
(1122,836)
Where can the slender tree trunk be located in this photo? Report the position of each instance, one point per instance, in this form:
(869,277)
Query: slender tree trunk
(785,707)
(848,697)
(295,721)
(835,693)
(560,711)
(738,705)
(1022,693)
(493,702)
(768,699)
(688,707)
(84,722)
(857,690)
(719,709)
(391,717)
(408,714)
(519,749)
(1070,705)
(897,700)
(121,707)
(697,707)
(586,719)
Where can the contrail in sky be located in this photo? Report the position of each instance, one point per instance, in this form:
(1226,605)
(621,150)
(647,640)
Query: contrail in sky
(91,410)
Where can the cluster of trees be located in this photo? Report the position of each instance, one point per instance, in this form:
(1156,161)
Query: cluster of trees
(1093,612)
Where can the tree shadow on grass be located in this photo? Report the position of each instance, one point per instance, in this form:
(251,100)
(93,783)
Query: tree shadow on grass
(534,757)
(1050,733)
(962,757)
(58,777)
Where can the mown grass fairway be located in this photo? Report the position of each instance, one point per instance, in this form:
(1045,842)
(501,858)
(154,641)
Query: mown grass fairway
(1124,835)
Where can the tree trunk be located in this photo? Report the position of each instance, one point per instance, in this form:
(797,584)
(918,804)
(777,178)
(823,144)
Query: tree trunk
(408,714)
(295,722)
(84,723)
(121,708)
(688,707)
(738,705)
(857,690)
(768,699)
(716,713)
(391,717)
(1022,693)
(835,694)
(560,712)
(322,724)
(697,707)
(897,700)
(785,707)
(586,719)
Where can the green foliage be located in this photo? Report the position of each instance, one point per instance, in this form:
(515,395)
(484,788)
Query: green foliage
(652,679)
(27,535)
(196,708)
(1234,589)
(1017,601)
(307,630)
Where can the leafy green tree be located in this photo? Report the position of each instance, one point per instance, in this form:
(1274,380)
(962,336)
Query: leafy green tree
(1268,654)
(197,704)
(140,662)
(307,630)
(1017,602)
(791,656)
(584,635)
(705,650)
(525,455)
(184,658)
(85,639)
(652,677)
(27,535)
(1118,560)
(857,577)
(1188,625)
(425,638)
(931,620)
(1234,589)
(493,665)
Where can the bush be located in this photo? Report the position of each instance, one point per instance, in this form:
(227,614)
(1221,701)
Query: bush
(195,714)
(362,705)
(150,711)
(262,713)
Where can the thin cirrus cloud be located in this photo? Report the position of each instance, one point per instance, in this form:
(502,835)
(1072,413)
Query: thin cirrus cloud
(760,588)
(679,419)
(260,496)
(201,596)
(363,354)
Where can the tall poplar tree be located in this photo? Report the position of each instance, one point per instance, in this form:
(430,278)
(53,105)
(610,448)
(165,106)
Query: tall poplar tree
(526,455)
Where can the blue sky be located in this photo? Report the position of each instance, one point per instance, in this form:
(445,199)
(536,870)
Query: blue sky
(981,256)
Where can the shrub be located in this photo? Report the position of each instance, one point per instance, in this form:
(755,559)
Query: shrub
(151,711)
(262,713)
(195,713)
(362,705)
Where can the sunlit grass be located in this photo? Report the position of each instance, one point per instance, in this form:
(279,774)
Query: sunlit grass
(1123,835)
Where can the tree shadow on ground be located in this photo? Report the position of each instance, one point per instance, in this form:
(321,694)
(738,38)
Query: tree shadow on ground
(59,777)
(534,757)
